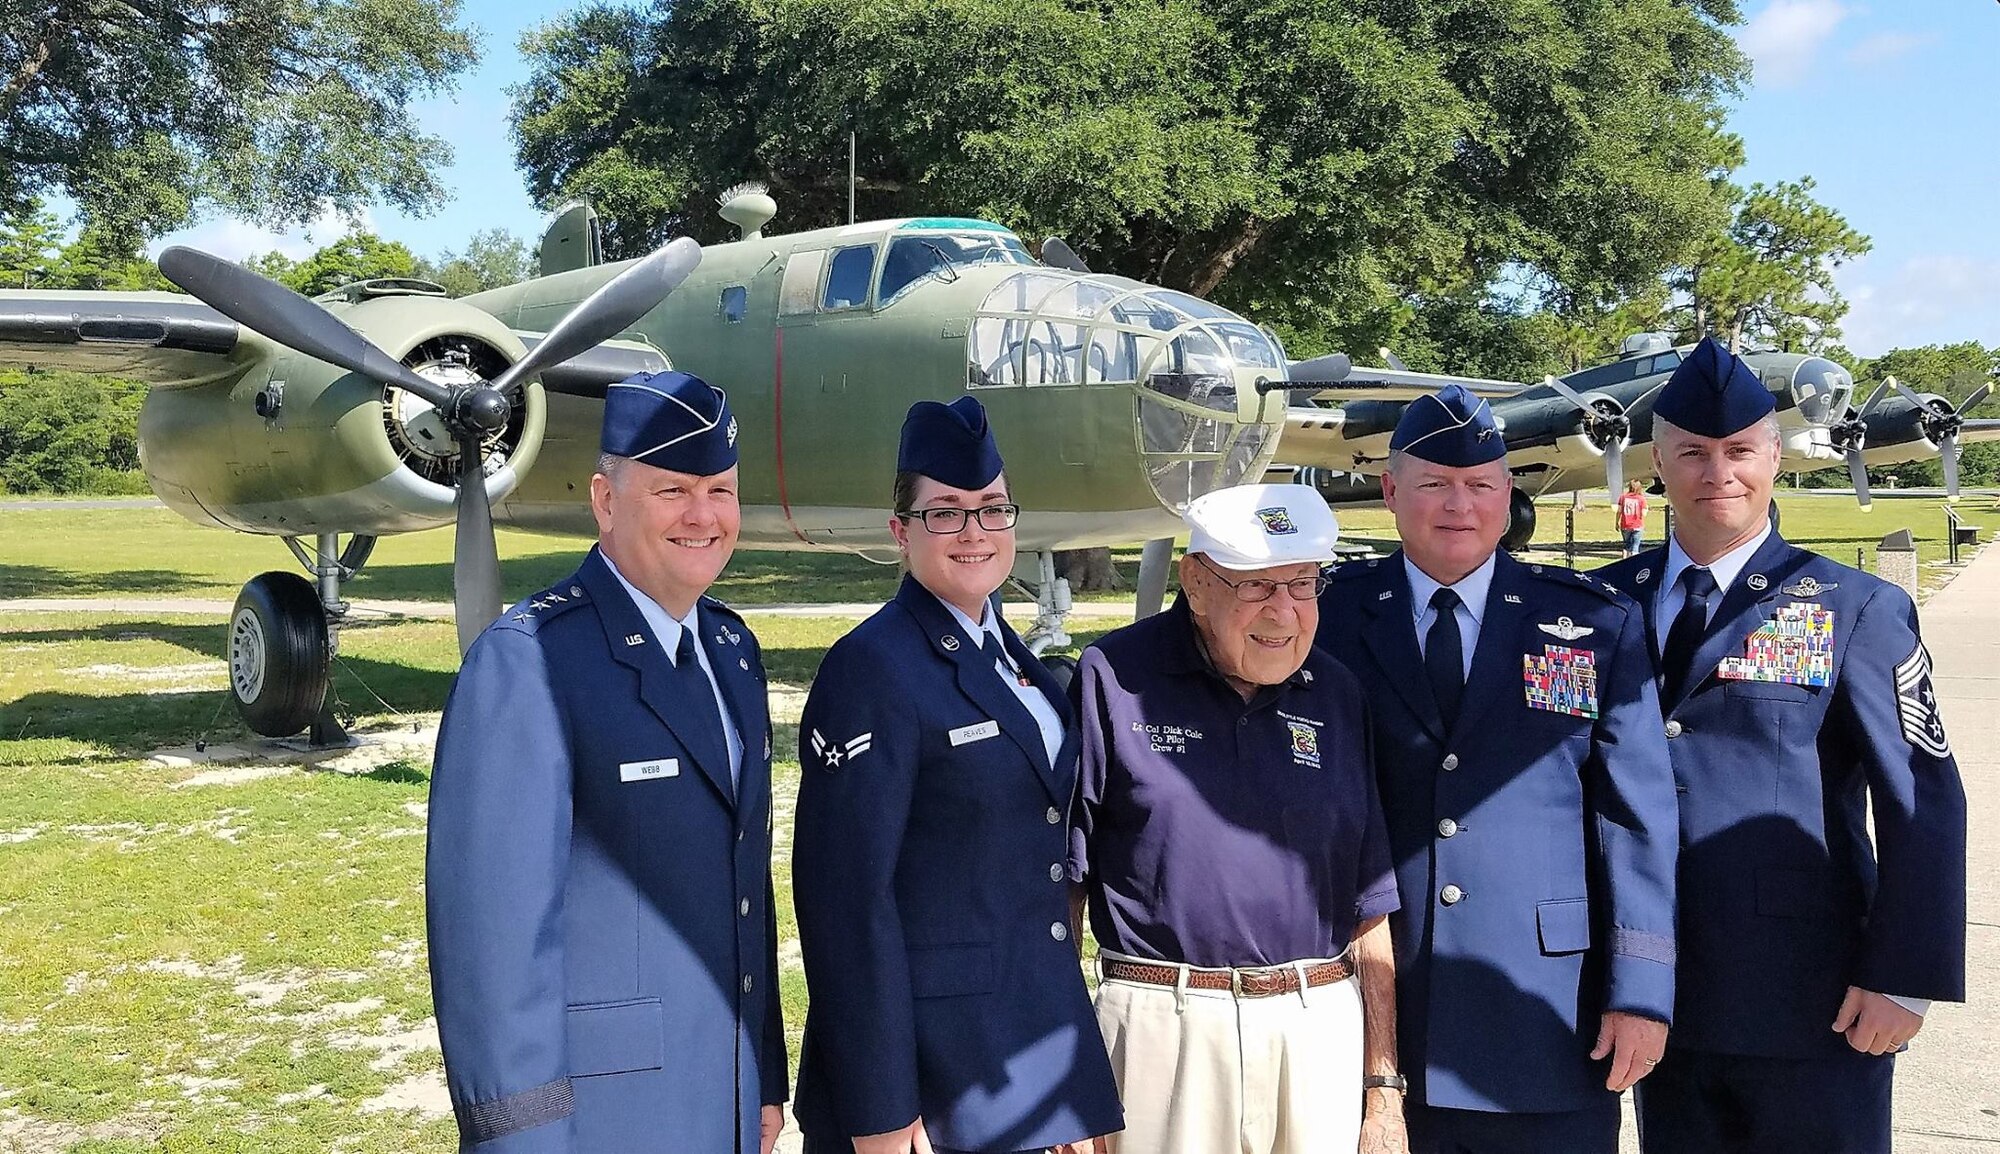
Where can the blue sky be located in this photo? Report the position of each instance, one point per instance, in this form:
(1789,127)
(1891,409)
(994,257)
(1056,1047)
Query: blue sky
(1888,104)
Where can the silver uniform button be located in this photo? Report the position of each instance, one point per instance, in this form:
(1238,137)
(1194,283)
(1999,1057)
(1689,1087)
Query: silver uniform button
(1059,931)
(746,983)
(743,908)
(1452,895)
(1055,871)
(1450,761)
(1054,815)
(1673,729)
(1447,828)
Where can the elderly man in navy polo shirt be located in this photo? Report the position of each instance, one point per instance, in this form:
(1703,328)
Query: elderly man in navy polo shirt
(1233,856)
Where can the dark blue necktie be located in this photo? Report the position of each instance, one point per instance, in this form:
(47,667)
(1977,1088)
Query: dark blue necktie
(1684,637)
(1444,656)
(706,743)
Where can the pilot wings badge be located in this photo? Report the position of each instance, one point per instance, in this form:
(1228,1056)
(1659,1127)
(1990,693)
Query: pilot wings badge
(1566,629)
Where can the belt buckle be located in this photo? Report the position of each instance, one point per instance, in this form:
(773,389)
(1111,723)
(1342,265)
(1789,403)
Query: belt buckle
(1235,982)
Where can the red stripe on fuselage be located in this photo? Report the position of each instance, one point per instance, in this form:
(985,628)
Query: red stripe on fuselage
(778,426)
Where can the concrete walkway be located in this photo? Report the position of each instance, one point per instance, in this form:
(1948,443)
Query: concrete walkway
(367,610)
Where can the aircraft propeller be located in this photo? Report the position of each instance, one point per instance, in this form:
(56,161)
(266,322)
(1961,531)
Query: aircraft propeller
(1941,424)
(1607,426)
(1056,253)
(471,411)
(1850,435)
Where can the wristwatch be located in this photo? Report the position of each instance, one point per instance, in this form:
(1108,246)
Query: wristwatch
(1396,1082)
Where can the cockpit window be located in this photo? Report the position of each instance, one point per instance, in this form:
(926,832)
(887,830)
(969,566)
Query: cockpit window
(847,279)
(912,258)
(1821,389)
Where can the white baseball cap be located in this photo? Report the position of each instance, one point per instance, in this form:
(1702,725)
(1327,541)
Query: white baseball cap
(1257,526)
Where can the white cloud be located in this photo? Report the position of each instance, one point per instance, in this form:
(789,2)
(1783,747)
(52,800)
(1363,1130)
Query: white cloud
(1925,300)
(1784,40)
(233,239)
(1887,47)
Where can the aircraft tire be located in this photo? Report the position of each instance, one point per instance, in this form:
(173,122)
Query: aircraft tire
(280,660)
(1062,667)
(1520,522)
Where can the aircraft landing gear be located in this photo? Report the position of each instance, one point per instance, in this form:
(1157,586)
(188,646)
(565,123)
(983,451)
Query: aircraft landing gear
(1051,607)
(1520,521)
(283,634)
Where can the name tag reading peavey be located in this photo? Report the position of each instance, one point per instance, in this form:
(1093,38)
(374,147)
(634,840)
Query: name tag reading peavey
(649,770)
(965,734)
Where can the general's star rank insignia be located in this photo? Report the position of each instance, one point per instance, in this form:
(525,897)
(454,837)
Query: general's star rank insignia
(1566,629)
(1808,588)
(1916,704)
(832,753)
(1561,680)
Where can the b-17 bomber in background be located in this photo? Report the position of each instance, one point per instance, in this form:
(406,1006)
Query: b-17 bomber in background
(363,412)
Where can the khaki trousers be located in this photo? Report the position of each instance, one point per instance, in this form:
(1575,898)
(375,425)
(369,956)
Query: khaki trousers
(1206,1072)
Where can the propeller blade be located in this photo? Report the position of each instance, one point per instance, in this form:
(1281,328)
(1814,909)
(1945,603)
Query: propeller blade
(1327,370)
(1154,562)
(613,308)
(1563,390)
(1857,472)
(475,556)
(1614,469)
(1904,392)
(1875,398)
(1392,360)
(1056,253)
(265,306)
(1948,453)
(1978,395)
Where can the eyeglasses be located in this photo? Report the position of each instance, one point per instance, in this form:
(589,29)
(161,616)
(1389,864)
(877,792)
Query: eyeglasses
(1257,589)
(951,519)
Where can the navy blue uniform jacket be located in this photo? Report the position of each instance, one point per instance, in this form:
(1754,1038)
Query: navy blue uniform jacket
(933,899)
(1555,832)
(602,937)
(1784,902)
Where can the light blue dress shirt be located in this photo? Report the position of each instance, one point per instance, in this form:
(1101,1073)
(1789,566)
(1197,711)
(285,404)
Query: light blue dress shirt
(667,632)
(1471,590)
(1037,705)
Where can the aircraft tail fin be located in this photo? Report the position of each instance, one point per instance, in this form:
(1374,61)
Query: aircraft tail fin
(573,240)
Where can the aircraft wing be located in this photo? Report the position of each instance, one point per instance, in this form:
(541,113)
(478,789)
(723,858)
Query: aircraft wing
(157,337)
(1343,382)
(1980,430)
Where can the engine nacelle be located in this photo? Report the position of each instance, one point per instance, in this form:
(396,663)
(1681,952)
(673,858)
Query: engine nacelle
(294,446)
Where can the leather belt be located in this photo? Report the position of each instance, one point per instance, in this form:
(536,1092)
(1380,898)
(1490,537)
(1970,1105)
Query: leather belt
(1260,982)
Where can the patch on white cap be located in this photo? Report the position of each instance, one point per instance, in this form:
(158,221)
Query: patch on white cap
(1258,526)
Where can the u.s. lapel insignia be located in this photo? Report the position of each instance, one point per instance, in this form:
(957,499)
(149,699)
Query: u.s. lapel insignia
(950,642)
(1386,595)
(635,639)
(1566,629)
(1795,648)
(1515,599)
(1808,587)
(1643,576)
(1561,680)
(1758,582)
(1916,704)
(832,753)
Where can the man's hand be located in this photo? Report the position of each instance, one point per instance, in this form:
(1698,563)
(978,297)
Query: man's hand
(1874,1024)
(909,1138)
(1634,1045)
(1087,1146)
(1382,1129)
(769,1123)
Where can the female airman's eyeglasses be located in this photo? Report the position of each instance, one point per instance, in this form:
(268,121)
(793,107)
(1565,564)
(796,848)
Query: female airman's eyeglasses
(951,519)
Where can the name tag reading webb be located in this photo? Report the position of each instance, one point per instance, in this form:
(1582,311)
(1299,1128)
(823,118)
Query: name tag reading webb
(966,734)
(649,770)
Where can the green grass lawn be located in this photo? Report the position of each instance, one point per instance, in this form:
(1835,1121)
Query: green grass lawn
(200,963)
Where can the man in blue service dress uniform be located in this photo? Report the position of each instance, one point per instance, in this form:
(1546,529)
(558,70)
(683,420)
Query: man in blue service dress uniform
(937,759)
(602,936)
(1530,806)
(1797,695)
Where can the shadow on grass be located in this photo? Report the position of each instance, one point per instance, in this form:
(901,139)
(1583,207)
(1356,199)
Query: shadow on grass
(47,581)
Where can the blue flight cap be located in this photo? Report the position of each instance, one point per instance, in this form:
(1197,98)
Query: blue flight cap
(1713,393)
(671,421)
(1453,427)
(950,444)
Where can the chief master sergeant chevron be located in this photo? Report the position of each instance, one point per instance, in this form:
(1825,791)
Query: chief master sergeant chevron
(602,936)
(1797,696)
(1530,806)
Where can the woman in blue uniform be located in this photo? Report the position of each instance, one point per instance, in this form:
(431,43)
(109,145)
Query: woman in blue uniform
(948,1012)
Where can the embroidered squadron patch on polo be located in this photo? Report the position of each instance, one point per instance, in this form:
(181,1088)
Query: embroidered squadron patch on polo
(1561,679)
(1277,521)
(1305,743)
(832,753)
(1916,704)
(1795,647)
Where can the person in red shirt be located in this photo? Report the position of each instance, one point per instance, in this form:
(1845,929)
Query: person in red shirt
(1631,516)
